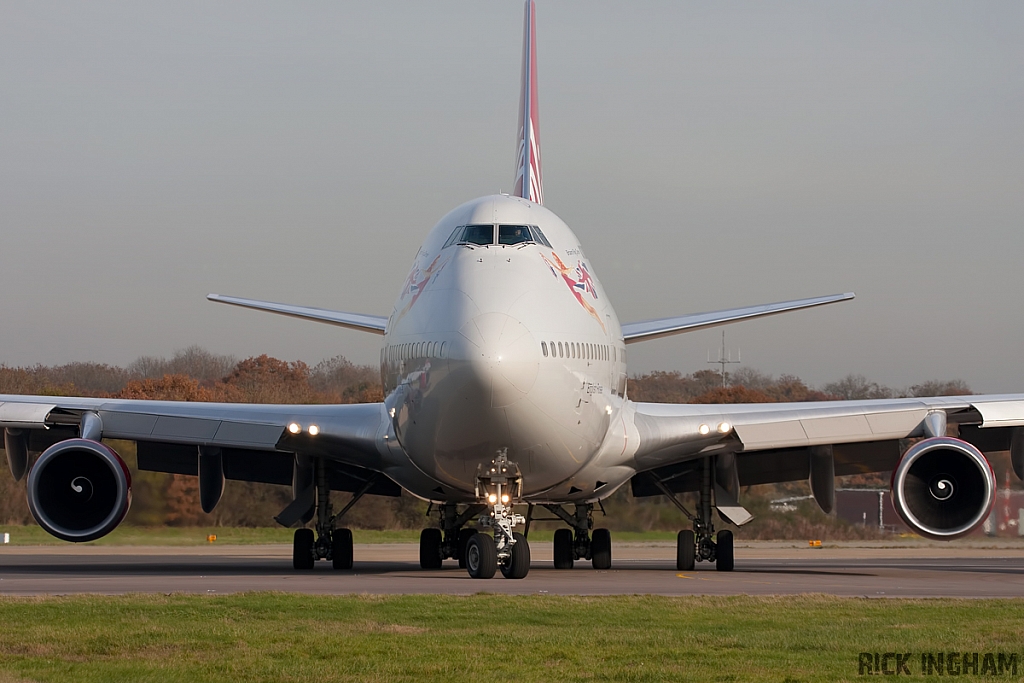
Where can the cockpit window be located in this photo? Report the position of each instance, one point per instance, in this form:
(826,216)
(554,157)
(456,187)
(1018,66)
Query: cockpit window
(514,234)
(538,236)
(478,234)
(456,234)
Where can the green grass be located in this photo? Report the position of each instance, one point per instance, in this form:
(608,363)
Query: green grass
(280,637)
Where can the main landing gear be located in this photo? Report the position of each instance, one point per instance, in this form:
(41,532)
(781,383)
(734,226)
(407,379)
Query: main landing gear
(482,555)
(578,543)
(329,543)
(700,544)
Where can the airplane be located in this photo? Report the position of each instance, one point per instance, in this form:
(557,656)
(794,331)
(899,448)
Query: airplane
(504,372)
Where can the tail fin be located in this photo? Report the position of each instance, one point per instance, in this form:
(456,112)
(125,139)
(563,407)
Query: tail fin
(528,181)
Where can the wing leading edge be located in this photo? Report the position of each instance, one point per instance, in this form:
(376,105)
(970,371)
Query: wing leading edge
(663,327)
(354,321)
(772,441)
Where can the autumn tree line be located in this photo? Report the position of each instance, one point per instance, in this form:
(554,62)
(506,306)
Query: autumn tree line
(195,374)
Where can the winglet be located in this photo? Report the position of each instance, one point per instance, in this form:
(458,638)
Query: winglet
(528,180)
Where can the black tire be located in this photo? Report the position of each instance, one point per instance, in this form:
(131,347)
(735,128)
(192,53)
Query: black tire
(341,549)
(464,536)
(519,564)
(481,556)
(686,550)
(564,551)
(723,551)
(601,549)
(302,549)
(430,549)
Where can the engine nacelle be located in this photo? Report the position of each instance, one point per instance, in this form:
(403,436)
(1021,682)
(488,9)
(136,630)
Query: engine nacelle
(943,488)
(79,490)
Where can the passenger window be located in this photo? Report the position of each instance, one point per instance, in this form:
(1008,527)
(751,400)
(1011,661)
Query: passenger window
(560,354)
(513,234)
(478,234)
(444,345)
(544,348)
(539,237)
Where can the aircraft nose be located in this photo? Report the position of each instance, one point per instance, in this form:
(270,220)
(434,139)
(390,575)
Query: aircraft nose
(502,356)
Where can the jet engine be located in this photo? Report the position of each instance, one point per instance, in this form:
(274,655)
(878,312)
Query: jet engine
(79,490)
(943,488)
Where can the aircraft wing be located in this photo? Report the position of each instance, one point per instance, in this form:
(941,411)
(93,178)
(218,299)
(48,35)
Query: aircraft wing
(256,441)
(354,321)
(775,442)
(663,327)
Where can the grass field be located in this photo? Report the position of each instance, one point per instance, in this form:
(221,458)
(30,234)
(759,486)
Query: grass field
(170,536)
(281,637)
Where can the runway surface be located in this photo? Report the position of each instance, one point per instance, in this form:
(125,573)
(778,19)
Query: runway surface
(761,568)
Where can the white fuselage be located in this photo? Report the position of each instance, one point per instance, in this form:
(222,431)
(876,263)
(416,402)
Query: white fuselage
(507,346)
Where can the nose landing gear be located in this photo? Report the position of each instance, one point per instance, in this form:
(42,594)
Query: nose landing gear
(498,485)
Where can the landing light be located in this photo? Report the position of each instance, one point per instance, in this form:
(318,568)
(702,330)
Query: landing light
(504,498)
(704,430)
(492,499)
(724,427)
(313,430)
(294,428)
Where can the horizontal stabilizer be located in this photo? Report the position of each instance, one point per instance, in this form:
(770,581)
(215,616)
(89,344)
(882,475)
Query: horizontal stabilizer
(663,327)
(354,321)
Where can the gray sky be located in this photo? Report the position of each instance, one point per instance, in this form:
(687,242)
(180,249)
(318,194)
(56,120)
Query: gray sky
(708,155)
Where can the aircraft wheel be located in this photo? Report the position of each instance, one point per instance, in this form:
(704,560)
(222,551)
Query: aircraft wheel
(601,549)
(686,551)
(464,535)
(430,549)
(302,549)
(481,556)
(519,564)
(564,551)
(341,549)
(723,552)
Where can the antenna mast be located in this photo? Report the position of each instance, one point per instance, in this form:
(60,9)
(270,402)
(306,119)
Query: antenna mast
(724,359)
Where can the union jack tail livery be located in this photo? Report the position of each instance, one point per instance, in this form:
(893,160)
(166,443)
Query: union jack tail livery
(528,182)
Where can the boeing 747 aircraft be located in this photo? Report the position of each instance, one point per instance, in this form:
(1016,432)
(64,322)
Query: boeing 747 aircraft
(504,371)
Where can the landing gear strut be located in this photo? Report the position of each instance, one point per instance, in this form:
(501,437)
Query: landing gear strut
(700,543)
(578,543)
(330,543)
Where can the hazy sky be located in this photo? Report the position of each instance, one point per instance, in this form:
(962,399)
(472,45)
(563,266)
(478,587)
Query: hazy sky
(708,155)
